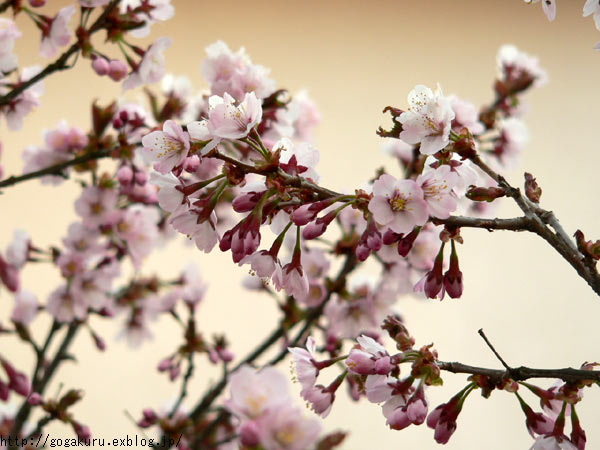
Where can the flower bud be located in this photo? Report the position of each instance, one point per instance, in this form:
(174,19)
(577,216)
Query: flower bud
(101,66)
(117,70)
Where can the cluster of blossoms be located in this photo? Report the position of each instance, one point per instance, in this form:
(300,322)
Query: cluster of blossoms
(132,16)
(230,167)
(372,372)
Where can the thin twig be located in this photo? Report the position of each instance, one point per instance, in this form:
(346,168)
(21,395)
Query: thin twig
(184,385)
(56,169)
(487,341)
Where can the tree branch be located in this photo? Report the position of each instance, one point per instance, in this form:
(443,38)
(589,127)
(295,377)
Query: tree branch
(56,169)
(522,373)
(512,224)
(61,62)
(339,282)
(538,218)
(41,385)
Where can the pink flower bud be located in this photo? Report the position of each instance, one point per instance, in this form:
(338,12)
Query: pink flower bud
(250,434)
(165,364)
(17,381)
(117,123)
(82,431)
(117,70)
(149,418)
(125,175)
(37,3)
(124,116)
(34,399)
(101,66)
(191,163)
(140,177)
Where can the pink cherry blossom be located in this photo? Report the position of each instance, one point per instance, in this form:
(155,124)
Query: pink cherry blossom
(234,73)
(82,239)
(25,309)
(428,120)
(138,229)
(65,139)
(66,307)
(97,206)
(254,392)
(152,66)
(169,197)
(24,103)
(286,428)
(437,186)
(513,63)
(513,137)
(204,234)
(304,366)
(300,159)
(398,204)
(294,280)
(17,251)
(58,35)
(226,120)
(8,34)
(167,148)
(159,10)
(319,399)
(369,359)
(466,115)
(193,289)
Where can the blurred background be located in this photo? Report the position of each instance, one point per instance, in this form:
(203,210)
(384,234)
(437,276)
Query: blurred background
(354,58)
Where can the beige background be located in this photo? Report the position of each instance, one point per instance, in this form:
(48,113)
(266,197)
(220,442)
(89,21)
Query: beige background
(355,58)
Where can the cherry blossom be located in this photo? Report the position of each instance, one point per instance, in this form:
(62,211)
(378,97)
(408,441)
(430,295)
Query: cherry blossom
(25,309)
(254,392)
(428,120)
(398,204)
(66,307)
(153,11)
(552,443)
(437,186)
(24,103)
(304,359)
(8,34)
(152,66)
(97,206)
(234,73)
(204,234)
(286,428)
(58,35)
(226,120)
(514,64)
(167,148)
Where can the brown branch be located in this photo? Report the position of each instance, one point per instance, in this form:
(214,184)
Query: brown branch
(61,62)
(40,385)
(522,373)
(512,224)
(538,218)
(349,264)
(5,5)
(56,169)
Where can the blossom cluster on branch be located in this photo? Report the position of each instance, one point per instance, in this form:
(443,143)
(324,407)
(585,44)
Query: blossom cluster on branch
(235,168)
